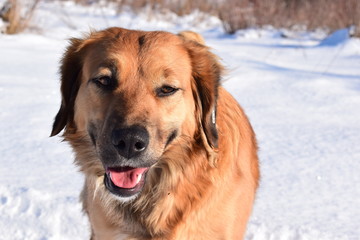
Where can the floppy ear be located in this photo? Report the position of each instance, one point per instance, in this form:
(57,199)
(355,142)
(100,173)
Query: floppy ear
(70,69)
(206,73)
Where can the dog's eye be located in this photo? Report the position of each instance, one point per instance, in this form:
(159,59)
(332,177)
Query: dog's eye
(166,90)
(105,82)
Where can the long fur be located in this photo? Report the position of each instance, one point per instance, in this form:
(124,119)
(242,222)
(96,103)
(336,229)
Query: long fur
(203,184)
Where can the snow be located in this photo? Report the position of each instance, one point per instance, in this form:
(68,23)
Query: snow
(300,93)
(337,37)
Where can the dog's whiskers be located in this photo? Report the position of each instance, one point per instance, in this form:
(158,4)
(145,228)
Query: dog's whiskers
(98,183)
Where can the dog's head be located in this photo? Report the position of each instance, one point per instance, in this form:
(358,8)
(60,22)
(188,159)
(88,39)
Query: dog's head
(128,96)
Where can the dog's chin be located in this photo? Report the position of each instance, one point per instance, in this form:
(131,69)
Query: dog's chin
(125,183)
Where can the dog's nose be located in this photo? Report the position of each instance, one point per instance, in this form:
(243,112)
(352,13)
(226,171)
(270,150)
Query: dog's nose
(130,142)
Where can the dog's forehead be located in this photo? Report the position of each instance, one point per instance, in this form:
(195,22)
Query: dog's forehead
(151,50)
(139,55)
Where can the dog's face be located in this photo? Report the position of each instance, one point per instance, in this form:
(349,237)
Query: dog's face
(130,96)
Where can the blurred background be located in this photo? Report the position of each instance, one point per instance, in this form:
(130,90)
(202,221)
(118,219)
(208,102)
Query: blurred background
(328,15)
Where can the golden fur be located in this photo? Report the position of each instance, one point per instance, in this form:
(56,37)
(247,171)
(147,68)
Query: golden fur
(203,180)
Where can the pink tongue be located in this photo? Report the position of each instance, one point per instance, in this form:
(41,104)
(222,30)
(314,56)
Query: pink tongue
(127,178)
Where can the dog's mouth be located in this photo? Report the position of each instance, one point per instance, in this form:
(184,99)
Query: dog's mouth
(125,182)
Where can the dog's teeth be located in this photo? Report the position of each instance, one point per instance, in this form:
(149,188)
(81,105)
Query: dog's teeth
(138,178)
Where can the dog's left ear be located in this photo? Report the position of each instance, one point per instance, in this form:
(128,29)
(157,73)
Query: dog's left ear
(206,73)
(70,69)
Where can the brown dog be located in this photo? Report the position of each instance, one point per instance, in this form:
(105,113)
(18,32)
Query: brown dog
(167,153)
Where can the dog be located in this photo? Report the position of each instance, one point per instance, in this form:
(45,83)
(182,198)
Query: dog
(166,151)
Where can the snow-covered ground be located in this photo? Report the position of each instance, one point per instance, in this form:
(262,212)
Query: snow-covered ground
(300,93)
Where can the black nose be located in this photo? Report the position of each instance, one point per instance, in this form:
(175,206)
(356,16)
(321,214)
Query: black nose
(130,142)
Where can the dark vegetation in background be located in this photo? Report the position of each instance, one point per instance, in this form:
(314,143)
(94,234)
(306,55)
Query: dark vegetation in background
(16,15)
(234,14)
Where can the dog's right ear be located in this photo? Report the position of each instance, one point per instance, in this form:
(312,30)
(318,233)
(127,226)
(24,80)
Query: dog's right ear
(206,79)
(70,71)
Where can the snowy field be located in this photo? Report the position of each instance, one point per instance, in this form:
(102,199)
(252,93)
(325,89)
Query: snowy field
(300,92)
